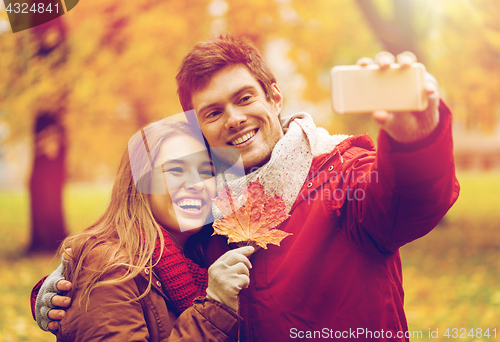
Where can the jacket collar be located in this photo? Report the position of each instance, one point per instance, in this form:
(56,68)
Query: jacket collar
(328,165)
(362,141)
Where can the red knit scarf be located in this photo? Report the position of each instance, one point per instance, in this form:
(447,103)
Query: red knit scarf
(181,278)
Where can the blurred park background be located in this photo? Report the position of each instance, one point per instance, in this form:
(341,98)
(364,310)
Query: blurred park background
(73,91)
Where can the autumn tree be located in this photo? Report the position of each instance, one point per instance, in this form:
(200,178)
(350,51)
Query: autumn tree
(396,32)
(115,69)
(462,42)
(86,85)
(44,46)
(49,157)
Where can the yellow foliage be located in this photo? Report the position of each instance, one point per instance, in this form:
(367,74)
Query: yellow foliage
(123,56)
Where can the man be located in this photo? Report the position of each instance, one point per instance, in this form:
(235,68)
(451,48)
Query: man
(339,275)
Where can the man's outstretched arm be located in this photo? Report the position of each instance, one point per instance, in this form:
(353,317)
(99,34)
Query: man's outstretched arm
(410,184)
(48,303)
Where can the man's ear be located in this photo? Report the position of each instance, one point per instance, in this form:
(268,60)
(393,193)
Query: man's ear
(276,99)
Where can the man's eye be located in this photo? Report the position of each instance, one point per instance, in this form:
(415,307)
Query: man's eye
(213,114)
(245,99)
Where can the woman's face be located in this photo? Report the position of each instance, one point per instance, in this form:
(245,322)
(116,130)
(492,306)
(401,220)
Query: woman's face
(184,169)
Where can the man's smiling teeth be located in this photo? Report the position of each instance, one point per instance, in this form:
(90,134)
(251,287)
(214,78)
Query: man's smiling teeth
(190,204)
(242,139)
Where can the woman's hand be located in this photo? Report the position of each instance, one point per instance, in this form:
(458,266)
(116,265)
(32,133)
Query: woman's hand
(228,275)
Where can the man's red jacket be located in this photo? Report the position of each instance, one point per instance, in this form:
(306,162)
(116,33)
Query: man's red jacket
(339,274)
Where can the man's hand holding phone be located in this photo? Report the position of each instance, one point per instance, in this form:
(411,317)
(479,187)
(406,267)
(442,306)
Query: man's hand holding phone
(403,126)
(51,303)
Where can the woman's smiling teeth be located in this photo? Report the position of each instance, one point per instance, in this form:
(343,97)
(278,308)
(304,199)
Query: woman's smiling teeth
(190,204)
(242,139)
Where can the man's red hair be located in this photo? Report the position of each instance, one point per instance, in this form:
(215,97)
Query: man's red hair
(206,58)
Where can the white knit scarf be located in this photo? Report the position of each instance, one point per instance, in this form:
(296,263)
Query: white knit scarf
(286,171)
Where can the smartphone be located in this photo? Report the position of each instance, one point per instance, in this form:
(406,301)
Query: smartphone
(357,89)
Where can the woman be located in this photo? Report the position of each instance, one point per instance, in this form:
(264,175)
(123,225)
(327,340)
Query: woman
(137,270)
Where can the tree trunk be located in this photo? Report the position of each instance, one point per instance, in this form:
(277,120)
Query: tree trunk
(49,168)
(46,184)
(397,35)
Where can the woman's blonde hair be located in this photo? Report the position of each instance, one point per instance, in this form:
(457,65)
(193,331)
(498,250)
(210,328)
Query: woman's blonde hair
(126,233)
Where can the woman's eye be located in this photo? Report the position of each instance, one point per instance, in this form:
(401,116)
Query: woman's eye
(207,173)
(175,170)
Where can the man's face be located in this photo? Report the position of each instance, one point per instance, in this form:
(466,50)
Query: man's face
(233,112)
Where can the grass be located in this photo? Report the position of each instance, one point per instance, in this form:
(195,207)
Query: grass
(451,276)
(18,272)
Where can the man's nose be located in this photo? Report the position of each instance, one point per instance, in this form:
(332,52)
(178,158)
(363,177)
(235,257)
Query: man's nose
(234,117)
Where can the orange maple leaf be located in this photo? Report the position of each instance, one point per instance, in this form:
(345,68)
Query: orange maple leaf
(253,221)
